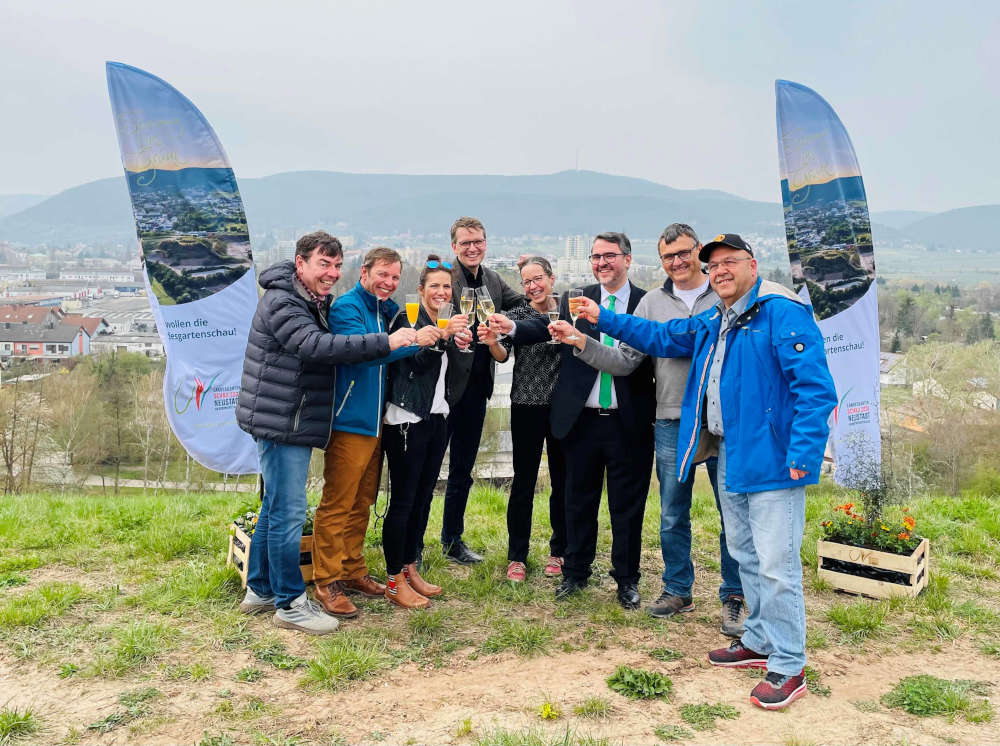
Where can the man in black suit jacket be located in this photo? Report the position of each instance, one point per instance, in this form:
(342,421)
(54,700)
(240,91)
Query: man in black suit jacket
(470,376)
(606,423)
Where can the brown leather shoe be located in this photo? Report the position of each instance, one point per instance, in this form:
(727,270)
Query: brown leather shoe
(418,584)
(366,585)
(332,597)
(399,592)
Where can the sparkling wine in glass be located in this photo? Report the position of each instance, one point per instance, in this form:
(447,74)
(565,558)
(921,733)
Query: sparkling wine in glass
(573,314)
(553,314)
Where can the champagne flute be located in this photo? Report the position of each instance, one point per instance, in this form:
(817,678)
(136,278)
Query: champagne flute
(485,308)
(445,310)
(412,308)
(574,293)
(553,314)
(466,303)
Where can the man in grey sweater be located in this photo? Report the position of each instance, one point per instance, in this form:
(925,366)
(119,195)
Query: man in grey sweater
(684,294)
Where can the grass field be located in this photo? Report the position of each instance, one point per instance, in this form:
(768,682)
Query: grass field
(118,624)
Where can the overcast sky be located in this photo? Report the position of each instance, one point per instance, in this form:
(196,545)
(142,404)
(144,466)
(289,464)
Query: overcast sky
(681,93)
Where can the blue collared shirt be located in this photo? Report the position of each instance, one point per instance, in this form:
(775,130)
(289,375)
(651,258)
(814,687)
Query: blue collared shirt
(713,408)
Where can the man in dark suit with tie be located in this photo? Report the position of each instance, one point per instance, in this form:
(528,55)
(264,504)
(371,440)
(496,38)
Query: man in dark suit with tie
(606,423)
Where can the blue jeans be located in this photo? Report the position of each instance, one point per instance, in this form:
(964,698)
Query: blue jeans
(764,533)
(274,550)
(675,520)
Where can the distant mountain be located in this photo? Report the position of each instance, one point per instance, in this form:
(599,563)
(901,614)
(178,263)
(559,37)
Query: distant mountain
(552,204)
(899,219)
(11,203)
(964,228)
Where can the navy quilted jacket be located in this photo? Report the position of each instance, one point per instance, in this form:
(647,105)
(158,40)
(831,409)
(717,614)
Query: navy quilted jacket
(286,393)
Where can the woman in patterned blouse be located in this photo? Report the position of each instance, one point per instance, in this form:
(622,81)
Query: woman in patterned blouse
(536,368)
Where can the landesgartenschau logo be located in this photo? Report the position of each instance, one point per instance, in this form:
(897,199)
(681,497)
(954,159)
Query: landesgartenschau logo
(186,392)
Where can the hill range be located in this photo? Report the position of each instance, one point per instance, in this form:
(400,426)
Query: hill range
(563,203)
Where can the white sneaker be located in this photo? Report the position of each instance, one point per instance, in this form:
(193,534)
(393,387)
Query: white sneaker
(254,604)
(306,616)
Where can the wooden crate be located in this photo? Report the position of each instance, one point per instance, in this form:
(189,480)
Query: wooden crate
(909,571)
(239,553)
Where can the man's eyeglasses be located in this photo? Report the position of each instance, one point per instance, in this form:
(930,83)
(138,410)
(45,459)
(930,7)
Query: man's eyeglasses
(533,281)
(729,263)
(682,255)
(609,257)
(434,264)
(479,243)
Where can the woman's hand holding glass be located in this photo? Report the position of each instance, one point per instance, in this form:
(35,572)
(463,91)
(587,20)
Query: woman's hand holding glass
(487,335)
(563,331)
(501,323)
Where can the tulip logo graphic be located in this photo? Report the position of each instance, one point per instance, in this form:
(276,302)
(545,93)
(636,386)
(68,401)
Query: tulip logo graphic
(186,392)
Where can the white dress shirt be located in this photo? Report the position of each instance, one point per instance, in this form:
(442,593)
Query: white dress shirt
(621,305)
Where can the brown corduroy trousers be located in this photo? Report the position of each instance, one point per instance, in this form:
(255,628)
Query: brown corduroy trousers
(352,467)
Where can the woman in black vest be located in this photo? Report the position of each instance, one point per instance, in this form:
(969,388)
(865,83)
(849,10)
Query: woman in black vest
(536,368)
(414,439)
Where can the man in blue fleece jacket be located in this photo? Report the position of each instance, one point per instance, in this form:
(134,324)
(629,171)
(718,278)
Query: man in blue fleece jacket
(759,383)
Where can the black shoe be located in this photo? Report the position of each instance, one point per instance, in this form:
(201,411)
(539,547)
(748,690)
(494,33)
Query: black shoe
(568,587)
(628,595)
(458,552)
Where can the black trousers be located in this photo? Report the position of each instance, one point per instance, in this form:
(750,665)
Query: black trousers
(415,452)
(529,430)
(465,429)
(597,445)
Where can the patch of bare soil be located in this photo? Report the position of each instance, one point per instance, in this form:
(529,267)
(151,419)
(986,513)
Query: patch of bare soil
(414,705)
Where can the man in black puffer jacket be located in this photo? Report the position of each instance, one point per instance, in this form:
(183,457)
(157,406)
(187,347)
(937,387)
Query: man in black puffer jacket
(286,404)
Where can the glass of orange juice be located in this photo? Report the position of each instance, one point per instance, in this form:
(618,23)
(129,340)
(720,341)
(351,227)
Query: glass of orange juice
(412,307)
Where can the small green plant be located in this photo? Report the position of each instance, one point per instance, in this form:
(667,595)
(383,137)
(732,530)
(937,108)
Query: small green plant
(32,608)
(814,683)
(865,705)
(525,637)
(220,739)
(464,728)
(549,711)
(593,707)
(703,717)
(134,704)
(672,733)
(341,659)
(68,669)
(991,649)
(249,674)
(12,579)
(16,724)
(193,672)
(637,683)
(887,534)
(273,652)
(926,695)
(859,620)
(665,654)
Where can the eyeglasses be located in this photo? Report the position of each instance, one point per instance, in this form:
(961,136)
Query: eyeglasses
(533,281)
(479,243)
(609,257)
(728,263)
(434,264)
(682,255)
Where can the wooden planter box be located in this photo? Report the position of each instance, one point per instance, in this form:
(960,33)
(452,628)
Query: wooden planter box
(239,554)
(869,572)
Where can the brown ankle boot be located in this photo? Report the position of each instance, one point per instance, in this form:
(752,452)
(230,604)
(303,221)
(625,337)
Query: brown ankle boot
(418,584)
(366,585)
(399,592)
(332,598)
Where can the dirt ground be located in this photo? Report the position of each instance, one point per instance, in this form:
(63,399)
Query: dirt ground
(413,706)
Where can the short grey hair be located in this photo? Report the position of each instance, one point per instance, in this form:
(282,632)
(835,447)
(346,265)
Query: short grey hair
(675,230)
(619,239)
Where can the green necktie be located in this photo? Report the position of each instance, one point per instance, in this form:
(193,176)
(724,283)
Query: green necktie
(604,399)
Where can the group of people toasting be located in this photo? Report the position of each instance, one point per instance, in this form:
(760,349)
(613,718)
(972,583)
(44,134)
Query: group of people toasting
(723,369)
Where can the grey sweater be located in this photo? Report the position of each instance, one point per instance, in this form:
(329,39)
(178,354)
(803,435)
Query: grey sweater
(671,373)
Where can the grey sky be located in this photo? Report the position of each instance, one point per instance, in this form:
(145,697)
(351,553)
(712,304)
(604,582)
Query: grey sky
(677,92)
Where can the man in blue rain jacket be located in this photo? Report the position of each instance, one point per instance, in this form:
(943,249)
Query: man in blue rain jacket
(760,385)
(353,456)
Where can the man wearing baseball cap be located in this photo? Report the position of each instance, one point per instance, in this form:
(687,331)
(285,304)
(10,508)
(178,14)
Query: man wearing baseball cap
(760,381)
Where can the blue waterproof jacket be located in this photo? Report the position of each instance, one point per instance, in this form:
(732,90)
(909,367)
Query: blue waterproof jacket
(776,390)
(359,397)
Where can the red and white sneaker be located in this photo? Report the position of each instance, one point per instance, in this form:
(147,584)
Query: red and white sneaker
(516,572)
(777,691)
(737,656)
(554,567)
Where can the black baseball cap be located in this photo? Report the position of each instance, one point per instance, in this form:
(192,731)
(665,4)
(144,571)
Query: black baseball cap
(732,240)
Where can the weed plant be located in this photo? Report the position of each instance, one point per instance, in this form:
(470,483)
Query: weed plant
(926,695)
(672,733)
(17,724)
(637,683)
(703,717)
